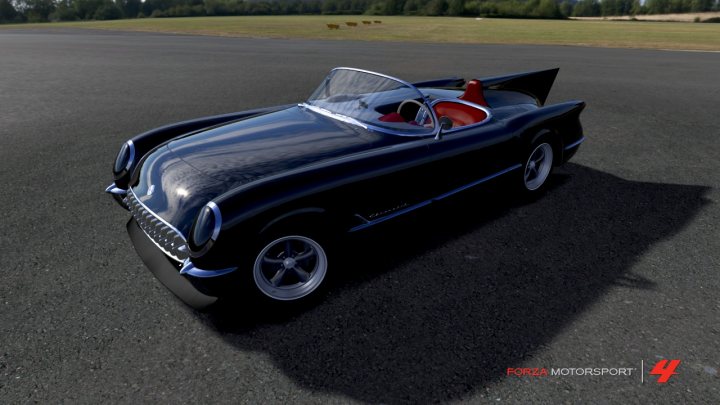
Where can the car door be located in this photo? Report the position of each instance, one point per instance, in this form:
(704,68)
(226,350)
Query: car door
(470,155)
(403,182)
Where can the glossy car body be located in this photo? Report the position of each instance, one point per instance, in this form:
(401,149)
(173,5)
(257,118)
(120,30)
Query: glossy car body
(218,198)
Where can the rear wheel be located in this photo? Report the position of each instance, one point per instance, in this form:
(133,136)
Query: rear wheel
(290,267)
(538,165)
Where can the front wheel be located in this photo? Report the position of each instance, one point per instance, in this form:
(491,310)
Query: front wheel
(290,268)
(537,167)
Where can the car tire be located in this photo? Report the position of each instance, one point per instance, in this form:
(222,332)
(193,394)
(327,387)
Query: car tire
(538,164)
(290,267)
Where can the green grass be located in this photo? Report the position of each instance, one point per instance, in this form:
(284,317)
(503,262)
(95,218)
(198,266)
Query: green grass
(616,34)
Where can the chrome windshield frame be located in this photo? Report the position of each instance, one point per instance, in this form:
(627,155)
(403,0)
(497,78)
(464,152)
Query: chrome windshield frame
(368,126)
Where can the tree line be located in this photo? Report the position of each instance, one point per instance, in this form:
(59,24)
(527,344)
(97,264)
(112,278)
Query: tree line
(70,10)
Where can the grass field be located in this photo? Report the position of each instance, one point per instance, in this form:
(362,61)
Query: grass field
(618,34)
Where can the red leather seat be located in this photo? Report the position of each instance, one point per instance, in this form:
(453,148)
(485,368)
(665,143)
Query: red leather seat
(460,114)
(474,93)
(392,117)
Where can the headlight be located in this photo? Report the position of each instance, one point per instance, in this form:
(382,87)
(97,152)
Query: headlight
(207,226)
(125,157)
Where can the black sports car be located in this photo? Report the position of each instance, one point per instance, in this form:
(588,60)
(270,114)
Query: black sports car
(254,198)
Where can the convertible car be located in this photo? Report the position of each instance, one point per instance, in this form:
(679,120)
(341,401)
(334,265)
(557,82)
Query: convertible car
(257,198)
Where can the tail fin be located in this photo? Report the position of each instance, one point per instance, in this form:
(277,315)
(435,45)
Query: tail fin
(536,84)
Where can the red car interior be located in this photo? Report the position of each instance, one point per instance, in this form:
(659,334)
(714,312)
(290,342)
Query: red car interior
(474,93)
(392,117)
(460,114)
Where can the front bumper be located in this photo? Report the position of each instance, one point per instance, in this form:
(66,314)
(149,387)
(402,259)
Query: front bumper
(165,271)
(118,194)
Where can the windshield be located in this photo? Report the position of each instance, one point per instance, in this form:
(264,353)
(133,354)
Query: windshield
(373,101)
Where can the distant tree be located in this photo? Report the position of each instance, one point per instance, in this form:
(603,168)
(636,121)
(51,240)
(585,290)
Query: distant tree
(637,8)
(58,10)
(393,7)
(587,8)
(64,11)
(412,7)
(624,7)
(149,6)
(547,9)
(38,10)
(435,7)
(608,7)
(329,7)
(108,10)
(130,8)
(455,7)
(675,6)
(85,9)
(223,7)
(472,7)
(358,6)
(706,5)
(658,6)
(566,7)
(7,11)
(310,7)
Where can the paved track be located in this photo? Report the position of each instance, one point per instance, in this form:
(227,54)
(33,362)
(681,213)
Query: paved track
(617,264)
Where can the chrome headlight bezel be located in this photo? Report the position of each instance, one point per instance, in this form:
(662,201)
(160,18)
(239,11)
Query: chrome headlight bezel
(206,228)
(125,158)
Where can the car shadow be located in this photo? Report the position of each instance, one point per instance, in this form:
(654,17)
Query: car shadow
(437,305)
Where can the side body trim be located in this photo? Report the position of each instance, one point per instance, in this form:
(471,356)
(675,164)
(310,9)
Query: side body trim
(430,201)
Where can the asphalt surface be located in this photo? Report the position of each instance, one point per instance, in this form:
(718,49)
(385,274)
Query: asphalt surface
(617,264)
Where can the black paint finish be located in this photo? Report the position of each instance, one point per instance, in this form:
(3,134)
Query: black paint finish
(264,166)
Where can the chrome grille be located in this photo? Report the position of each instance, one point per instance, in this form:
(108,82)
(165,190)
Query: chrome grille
(165,236)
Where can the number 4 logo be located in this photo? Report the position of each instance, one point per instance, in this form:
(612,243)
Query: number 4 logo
(665,369)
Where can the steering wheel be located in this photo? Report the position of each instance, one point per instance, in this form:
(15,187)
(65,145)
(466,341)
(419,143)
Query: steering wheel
(422,114)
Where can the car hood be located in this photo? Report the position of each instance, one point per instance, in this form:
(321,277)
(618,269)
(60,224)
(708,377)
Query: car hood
(177,179)
(247,150)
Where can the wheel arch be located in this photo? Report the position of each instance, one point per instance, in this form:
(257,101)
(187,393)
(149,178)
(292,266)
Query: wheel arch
(559,119)
(549,133)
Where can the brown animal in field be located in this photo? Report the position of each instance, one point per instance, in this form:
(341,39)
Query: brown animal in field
(351,24)
(333,26)
(367,22)
(377,22)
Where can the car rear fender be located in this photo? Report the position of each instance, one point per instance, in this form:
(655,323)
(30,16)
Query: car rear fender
(536,84)
(442,83)
(561,122)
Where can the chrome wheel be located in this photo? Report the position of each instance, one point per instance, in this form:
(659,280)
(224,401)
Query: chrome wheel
(538,166)
(290,268)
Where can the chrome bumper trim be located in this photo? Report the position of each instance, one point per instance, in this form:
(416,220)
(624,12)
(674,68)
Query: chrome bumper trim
(113,189)
(165,236)
(575,144)
(190,269)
